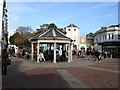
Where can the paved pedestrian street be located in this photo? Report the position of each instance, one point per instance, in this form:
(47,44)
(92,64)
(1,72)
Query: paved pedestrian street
(80,73)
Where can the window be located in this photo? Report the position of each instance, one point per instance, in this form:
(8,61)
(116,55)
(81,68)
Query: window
(112,36)
(100,38)
(74,29)
(118,36)
(105,37)
(109,36)
(68,29)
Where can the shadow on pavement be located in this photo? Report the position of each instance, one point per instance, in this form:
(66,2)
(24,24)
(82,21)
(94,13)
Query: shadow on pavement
(33,78)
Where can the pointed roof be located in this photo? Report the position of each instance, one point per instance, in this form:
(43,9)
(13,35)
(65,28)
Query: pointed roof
(51,33)
(90,36)
(71,25)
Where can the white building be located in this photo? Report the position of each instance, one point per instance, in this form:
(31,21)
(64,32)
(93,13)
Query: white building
(108,39)
(73,32)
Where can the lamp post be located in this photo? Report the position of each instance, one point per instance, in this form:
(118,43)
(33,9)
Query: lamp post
(1,24)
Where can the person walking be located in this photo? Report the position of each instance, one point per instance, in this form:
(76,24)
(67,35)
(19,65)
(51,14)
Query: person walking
(60,54)
(4,61)
(79,53)
(93,53)
(97,55)
(41,56)
(64,57)
(23,52)
(88,53)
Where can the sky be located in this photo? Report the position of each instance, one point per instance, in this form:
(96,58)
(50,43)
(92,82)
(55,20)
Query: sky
(88,16)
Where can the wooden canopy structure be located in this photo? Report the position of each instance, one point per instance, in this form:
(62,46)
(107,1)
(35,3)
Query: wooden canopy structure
(52,36)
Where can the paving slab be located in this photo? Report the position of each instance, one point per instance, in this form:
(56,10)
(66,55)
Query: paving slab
(95,78)
(35,78)
(80,73)
(73,82)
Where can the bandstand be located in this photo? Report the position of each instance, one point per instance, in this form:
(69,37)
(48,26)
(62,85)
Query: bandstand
(52,36)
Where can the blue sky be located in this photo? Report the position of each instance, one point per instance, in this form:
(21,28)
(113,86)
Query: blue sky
(88,16)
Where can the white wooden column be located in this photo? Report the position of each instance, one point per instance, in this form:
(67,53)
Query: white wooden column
(69,53)
(54,53)
(38,48)
(64,47)
(32,52)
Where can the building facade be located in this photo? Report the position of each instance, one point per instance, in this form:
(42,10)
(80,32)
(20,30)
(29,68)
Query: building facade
(83,43)
(73,32)
(3,25)
(108,39)
(90,40)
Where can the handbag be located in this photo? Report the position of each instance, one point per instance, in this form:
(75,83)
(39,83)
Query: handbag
(9,62)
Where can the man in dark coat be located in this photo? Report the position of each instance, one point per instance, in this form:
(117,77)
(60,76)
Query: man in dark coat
(4,61)
(97,55)
(88,53)
(79,53)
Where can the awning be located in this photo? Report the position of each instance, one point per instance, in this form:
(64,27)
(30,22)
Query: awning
(88,46)
(82,47)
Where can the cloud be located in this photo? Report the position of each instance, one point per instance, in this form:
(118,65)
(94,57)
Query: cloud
(19,8)
(16,11)
(101,5)
(99,10)
(67,18)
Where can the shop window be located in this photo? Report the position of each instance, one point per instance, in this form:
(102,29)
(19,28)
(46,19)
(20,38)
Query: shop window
(119,36)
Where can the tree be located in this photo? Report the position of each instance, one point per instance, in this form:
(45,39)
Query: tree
(25,32)
(27,43)
(11,40)
(18,40)
(21,36)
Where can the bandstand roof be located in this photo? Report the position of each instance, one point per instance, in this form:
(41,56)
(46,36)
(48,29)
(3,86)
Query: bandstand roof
(51,34)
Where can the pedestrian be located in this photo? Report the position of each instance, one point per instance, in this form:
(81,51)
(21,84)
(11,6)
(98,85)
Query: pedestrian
(16,51)
(104,54)
(4,61)
(41,56)
(13,51)
(23,52)
(60,54)
(64,57)
(100,56)
(93,53)
(10,52)
(79,53)
(82,53)
(97,55)
(88,53)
